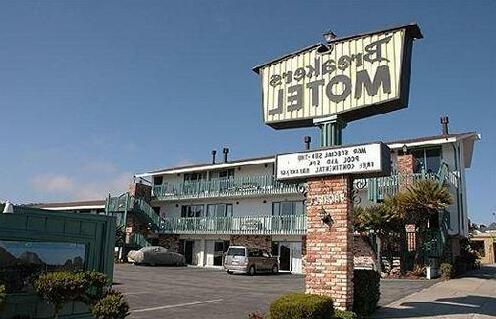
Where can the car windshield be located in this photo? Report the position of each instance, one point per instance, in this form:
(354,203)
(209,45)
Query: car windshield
(236,252)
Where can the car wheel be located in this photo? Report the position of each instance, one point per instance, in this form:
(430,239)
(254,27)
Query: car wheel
(252,271)
(275,269)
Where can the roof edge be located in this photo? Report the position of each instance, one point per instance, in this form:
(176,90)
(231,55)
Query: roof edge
(413,29)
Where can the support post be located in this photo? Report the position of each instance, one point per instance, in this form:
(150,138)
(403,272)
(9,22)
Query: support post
(328,264)
(331,131)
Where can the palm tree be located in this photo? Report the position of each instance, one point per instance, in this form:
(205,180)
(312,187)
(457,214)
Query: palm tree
(421,203)
(383,221)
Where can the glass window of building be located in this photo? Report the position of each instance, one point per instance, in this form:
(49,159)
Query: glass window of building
(158,180)
(428,160)
(219,210)
(288,208)
(192,211)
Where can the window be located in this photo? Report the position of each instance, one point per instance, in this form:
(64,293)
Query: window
(236,252)
(428,160)
(194,177)
(219,210)
(288,208)
(158,180)
(192,211)
(222,174)
(254,253)
(20,260)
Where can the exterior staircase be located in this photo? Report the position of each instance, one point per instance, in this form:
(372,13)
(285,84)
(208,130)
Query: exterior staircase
(121,206)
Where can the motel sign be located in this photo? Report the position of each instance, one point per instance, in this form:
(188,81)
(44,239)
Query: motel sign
(353,77)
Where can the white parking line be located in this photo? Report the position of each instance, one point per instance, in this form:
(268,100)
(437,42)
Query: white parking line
(135,293)
(178,305)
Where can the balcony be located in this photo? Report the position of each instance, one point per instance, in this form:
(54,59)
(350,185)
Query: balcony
(380,188)
(250,225)
(229,187)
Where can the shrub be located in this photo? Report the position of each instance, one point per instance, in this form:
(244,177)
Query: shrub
(3,295)
(341,314)
(111,306)
(96,285)
(58,288)
(447,271)
(366,291)
(302,306)
(256,315)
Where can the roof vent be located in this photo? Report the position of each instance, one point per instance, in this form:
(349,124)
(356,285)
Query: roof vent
(225,150)
(444,125)
(214,152)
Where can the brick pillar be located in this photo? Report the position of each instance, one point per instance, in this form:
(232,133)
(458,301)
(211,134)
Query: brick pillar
(328,264)
(141,191)
(406,166)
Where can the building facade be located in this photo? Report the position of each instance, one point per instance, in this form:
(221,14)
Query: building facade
(200,210)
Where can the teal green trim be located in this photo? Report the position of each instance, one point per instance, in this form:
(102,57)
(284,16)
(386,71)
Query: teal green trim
(96,232)
(229,187)
(250,225)
(331,132)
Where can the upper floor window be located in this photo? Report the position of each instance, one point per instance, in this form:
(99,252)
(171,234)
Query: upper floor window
(192,211)
(219,210)
(193,177)
(288,208)
(428,160)
(158,180)
(222,174)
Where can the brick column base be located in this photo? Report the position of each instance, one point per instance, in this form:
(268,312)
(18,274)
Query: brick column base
(328,264)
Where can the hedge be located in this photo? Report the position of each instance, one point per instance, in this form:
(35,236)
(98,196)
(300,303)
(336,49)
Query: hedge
(302,306)
(366,291)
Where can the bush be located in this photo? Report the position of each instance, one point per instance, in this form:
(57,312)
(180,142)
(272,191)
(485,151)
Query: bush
(58,288)
(302,306)
(366,291)
(447,271)
(256,315)
(96,285)
(111,306)
(3,295)
(341,314)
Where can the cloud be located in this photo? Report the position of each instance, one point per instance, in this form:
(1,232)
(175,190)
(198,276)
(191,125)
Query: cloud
(99,167)
(52,183)
(95,186)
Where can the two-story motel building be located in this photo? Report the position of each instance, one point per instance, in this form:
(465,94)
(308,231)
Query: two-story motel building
(200,210)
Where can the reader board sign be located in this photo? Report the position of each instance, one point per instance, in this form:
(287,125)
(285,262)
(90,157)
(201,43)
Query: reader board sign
(353,77)
(362,160)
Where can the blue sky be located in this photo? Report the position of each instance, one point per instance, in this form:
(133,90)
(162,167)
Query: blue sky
(92,92)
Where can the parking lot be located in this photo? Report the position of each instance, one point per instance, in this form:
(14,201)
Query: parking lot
(186,292)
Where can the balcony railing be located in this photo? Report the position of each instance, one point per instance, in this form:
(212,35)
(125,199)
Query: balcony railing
(229,187)
(381,187)
(252,225)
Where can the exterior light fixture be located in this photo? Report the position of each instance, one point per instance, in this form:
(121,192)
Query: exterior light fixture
(329,36)
(326,217)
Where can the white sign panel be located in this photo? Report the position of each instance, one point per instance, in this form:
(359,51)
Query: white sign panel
(353,77)
(357,160)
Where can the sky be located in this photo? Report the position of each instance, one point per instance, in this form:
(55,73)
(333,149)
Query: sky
(92,92)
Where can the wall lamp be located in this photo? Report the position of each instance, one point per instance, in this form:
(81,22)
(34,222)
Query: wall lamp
(326,217)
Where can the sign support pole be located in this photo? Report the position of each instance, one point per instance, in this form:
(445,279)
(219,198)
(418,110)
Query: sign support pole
(331,130)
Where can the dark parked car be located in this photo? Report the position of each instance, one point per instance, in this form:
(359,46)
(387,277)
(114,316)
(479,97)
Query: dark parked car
(154,256)
(249,260)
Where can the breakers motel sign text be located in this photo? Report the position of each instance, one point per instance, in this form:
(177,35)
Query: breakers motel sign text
(361,160)
(353,77)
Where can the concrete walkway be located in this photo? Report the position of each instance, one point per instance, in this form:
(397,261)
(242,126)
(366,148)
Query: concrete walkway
(473,296)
